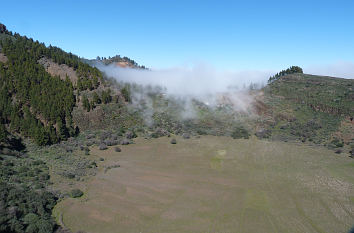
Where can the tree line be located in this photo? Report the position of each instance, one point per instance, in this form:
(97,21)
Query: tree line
(291,70)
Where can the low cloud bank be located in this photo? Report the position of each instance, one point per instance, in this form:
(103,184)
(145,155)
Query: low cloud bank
(194,81)
(201,82)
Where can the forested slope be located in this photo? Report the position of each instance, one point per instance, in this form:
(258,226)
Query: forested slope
(33,103)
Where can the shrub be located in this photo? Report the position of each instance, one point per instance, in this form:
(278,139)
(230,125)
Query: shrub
(337,142)
(108,142)
(186,136)
(75,193)
(90,143)
(130,134)
(125,142)
(90,136)
(240,132)
(117,149)
(173,141)
(102,146)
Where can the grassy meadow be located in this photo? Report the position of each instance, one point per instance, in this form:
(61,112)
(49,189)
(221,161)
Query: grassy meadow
(215,184)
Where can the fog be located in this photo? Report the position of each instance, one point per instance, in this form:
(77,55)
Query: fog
(195,80)
(200,82)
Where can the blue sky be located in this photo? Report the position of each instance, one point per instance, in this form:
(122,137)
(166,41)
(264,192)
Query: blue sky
(160,34)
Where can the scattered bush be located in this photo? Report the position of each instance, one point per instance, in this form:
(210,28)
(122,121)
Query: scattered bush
(75,193)
(186,136)
(110,167)
(336,142)
(102,146)
(351,152)
(130,135)
(240,132)
(87,151)
(108,142)
(90,136)
(263,133)
(125,142)
(159,132)
(90,143)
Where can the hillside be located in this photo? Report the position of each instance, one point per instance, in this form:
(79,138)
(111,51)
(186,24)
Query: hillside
(35,103)
(310,108)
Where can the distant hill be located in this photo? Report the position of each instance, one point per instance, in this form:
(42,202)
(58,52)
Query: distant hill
(123,62)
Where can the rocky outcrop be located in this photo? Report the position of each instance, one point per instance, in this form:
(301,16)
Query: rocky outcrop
(3,58)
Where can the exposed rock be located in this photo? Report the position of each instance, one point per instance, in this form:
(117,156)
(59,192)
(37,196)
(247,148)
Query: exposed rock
(62,70)
(3,58)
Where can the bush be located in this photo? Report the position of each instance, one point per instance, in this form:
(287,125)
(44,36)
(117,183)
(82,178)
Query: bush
(173,141)
(337,142)
(108,142)
(186,136)
(102,146)
(87,151)
(75,193)
(240,132)
(117,149)
(90,136)
(125,142)
(90,143)
(130,135)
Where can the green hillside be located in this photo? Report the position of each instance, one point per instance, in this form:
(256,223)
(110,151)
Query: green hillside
(310,108)
(33,103)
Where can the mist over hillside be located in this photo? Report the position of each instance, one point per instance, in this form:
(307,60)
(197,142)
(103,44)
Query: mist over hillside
(200,82)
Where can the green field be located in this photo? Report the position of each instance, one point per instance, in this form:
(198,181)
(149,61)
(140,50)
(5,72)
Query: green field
(215,184)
